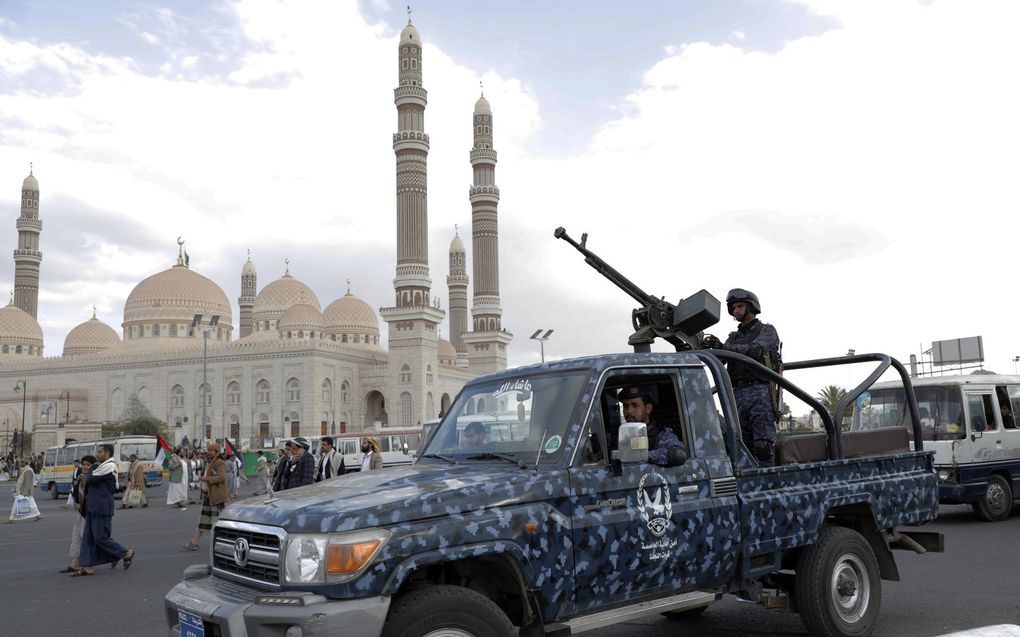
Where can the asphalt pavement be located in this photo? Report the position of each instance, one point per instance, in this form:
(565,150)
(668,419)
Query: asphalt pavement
(975,582)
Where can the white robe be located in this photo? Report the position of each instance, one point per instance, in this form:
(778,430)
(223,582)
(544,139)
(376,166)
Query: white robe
(178,491)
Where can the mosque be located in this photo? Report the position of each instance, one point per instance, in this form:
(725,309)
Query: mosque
(291,368)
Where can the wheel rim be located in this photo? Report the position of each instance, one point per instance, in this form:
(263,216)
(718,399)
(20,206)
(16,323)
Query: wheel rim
(449,632)
(995,498)
(850,588)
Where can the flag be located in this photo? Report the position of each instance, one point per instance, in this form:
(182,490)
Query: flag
(163,452)
(229,448)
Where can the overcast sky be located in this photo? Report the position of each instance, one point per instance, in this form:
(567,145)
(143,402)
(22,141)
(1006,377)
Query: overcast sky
(854,163)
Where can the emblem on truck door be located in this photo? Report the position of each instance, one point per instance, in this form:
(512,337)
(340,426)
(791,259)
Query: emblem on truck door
(655,503)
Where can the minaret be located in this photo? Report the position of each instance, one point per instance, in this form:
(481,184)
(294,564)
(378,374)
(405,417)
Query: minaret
(487,342)
(413,339)
(457,282)
(246,302)
(27,256)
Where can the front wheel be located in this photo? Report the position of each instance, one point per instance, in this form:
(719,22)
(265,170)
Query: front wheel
(839,588)
(53,490)
(446,611)
(997,502)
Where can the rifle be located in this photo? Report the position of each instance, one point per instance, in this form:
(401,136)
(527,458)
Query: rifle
(680,325)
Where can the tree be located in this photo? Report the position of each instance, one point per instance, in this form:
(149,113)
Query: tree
(136,421)
(830,397)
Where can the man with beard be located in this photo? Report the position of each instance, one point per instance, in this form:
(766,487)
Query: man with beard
(666,450)
(756,340)
(97,547)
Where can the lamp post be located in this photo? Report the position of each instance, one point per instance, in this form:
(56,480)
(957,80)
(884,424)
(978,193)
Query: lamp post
(849,352)
(1016,359)
(22,386)
(66,397)
(541,338)
(197,322)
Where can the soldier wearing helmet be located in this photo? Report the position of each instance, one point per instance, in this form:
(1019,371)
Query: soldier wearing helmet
(754,339)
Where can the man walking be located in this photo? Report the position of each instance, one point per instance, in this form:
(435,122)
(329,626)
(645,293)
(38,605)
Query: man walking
(136,482)
(78,528)
(97,547)
(301,470)
(24,504)
(177,493)
(262,485)
(331,462)
(282,467)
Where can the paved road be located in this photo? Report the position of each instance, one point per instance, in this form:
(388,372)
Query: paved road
(975,582)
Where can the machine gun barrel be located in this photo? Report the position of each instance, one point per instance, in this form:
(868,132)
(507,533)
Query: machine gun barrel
(605,269)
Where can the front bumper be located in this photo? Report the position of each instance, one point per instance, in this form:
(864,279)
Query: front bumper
(229,610)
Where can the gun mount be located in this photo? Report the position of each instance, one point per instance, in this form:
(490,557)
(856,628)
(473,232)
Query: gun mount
(681,324)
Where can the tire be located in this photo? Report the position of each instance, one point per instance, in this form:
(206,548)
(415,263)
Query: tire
(997,502)
(838,586)
(53,490)
(447,611)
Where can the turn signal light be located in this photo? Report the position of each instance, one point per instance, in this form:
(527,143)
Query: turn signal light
(343,559)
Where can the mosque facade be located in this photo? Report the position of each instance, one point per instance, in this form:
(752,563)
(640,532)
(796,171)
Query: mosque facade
(292,367)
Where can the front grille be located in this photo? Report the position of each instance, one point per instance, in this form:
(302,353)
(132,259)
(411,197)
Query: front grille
(263,557)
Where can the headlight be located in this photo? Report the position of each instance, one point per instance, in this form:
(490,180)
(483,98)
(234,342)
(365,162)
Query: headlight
(331,559)
(947,475)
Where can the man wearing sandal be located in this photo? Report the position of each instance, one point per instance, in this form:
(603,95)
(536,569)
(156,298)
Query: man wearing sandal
(97,547)
(214,497)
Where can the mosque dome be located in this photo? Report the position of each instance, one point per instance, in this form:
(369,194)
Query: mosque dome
(447,352)
(482,106)
(457,245)
(301,317)
(248,269)
(410,35)
(30,183)
(175,296)
(20,334)
(278,297)
(352,320)
(91,336)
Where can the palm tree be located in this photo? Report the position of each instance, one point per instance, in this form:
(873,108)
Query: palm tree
(830,397)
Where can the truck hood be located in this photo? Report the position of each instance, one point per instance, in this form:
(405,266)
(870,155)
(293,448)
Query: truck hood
(391,496)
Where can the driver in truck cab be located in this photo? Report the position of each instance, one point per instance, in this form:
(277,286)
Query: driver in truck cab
(666,450)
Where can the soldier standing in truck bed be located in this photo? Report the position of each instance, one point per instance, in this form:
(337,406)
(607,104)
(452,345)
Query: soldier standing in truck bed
(759,341)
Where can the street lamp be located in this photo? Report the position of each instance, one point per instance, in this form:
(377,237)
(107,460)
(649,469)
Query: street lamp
(849,352)
(66,397)
(197,322)
(1016,359)
(541,338)
(22,386)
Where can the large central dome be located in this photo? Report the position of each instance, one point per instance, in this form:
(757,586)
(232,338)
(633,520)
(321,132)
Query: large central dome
(168,301)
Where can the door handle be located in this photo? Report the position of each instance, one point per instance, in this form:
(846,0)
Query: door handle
(687,490)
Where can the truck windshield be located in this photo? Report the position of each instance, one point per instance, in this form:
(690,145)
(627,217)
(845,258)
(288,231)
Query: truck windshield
(940,408)
(522,419)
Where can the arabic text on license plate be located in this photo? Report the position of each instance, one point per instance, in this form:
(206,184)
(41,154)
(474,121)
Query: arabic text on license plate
(191,625)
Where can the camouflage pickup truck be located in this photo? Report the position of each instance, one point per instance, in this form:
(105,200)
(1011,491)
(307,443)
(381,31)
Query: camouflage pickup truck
(547,518)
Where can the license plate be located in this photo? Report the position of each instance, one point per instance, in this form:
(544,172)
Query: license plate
(191,625)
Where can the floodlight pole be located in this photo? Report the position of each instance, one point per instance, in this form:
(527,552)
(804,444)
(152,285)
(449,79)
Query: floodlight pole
(23,384)
(541,336)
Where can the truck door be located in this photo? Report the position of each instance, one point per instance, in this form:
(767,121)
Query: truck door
(644,528)
(983,429)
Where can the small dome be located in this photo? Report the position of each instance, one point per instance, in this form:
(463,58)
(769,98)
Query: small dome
(19,329)
(248,269)
(301,317)
(91,336)
(175,296)
(30,183)
(279,296)
(349,317)
(447,352)
(482,106)
(457,245)
(410,35)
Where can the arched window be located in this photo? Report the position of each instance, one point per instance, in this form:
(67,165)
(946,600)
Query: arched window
(234,393)
(300,334)
(428,375)
(7,349)
(235,427)
(406,410)
(343,338)
(345,392)
(177,397)
(430,407)
(405,374)
(116,404)
(327,391)
(17,350)
(293,390)
(173,329)
(262,391)
(155,330)
(205,395)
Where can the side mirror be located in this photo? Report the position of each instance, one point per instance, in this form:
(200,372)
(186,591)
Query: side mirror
(521,412)
(633,443)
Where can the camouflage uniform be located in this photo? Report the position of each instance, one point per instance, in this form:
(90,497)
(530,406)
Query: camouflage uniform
(664,441)
(754,405)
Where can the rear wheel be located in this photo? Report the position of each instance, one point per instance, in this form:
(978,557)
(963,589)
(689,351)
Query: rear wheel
(446,611)
(997,503)
(53,490)
(839,588)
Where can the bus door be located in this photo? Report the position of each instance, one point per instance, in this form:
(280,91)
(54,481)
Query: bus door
(984,429)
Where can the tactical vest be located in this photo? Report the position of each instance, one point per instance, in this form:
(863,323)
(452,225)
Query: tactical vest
(740,375)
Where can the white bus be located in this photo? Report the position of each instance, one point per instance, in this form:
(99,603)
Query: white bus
(396,446)
(970,421)
(58,464)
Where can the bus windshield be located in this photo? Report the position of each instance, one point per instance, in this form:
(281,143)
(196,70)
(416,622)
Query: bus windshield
(521,419)
(940,409)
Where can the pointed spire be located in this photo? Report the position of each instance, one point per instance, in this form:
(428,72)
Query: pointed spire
(409,14)
(286,263)
(180,251)
(12,298)
(30,169)
(348,288)
(481,86)
(249,255)
(456,230)
(93,312)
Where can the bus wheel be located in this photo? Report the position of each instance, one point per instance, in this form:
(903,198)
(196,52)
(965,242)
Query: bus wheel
(53,490)
(997,503)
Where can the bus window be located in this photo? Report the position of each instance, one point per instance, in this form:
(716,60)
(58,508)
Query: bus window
(1009,400)
(384,444)
(350,447)
(51,458)
(980,412)
(144,450)
(397,443)
(63,457)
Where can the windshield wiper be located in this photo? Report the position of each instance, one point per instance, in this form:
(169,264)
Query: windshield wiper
(489,455)
(449,459)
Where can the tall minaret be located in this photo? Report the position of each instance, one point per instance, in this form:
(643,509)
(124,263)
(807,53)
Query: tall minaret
(457,282)
(27,256)
(246,302)
(413,337)
(487,343)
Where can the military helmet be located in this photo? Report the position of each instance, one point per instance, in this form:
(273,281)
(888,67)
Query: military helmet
(737,294)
